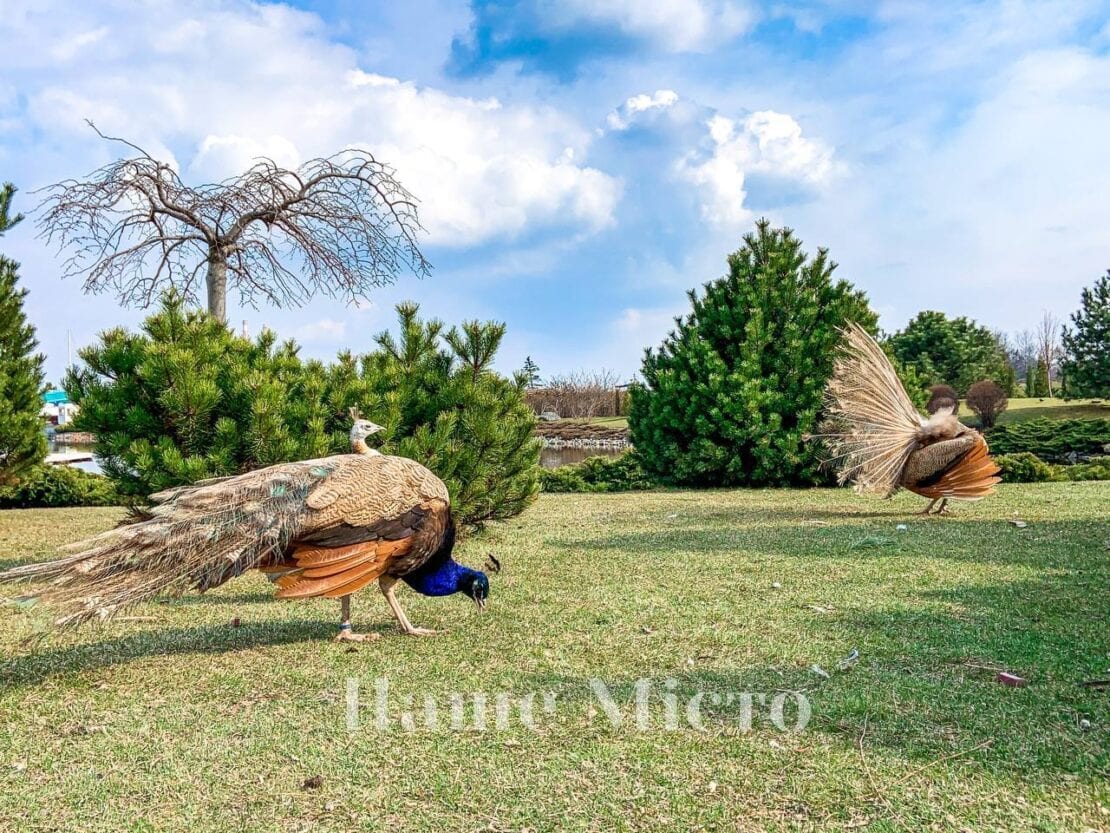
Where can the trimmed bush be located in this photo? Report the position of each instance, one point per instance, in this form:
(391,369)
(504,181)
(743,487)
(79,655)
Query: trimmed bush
(1097,468)
(599,474)
(943,396)
(59,486)
(1051,439)
(1024,467)
(987,400)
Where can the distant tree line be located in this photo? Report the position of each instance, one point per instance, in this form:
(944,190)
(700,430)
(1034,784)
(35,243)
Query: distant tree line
(581,394)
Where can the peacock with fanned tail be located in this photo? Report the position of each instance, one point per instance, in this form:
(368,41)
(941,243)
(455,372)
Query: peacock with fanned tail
(881,443)
(326,527)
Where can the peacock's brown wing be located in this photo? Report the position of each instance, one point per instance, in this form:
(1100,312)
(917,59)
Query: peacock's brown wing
(338,560)
(373,515)
(959,468)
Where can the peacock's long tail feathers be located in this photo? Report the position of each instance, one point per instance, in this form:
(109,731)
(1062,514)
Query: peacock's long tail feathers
(871,427)
(195,537)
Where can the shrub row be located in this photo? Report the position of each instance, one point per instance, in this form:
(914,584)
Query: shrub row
(1051,439)
(59,486)
(622,473)
(1024,467)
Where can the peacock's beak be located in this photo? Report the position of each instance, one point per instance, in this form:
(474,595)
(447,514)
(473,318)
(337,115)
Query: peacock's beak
(480,603)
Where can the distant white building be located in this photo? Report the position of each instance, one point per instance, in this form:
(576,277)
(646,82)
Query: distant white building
(57,409)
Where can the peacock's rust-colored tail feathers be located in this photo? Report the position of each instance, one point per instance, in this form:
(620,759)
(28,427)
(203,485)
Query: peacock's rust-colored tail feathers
(194,537)
(871,427)
(959,468)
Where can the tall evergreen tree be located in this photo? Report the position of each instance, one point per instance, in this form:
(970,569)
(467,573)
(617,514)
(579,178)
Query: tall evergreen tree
(1040,380)
(951,351)
(1087,343)
(453,413)
(7,219)
(531,372)
(731,394)
(22,443)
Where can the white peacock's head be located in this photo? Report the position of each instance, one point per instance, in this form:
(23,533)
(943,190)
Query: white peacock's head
(363,428)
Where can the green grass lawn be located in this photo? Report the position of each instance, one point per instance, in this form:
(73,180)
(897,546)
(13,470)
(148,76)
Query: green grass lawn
(176,720)
(1019,410)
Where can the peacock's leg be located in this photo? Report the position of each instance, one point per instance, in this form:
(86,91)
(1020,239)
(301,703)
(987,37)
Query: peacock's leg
(386,584)
(929,508)
(943,508)
(345,633)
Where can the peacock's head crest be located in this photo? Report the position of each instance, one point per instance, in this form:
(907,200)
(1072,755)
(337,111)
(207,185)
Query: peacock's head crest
(362,428)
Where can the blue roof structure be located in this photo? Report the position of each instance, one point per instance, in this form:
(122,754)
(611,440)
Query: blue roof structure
(55,397)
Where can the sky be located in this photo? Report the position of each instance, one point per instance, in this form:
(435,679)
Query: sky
(582,164)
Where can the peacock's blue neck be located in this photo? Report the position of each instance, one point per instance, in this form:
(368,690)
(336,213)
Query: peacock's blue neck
(438,577)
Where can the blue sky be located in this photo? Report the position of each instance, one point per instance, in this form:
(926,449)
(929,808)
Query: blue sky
(582,163)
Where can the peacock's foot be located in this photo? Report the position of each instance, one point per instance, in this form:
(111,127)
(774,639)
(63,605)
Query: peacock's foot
(411,631)
(347,635)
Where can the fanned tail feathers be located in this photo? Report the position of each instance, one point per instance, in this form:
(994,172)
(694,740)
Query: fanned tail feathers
(195,537)
(871,426)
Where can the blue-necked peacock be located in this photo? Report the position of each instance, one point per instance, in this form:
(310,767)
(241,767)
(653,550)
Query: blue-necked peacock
(326,527)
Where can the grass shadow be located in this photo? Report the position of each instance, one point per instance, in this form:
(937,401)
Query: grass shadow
(45,661)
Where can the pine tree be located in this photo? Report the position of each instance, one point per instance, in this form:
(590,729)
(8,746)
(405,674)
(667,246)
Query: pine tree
(453,413)
(187,399)
(531,372)
(731,394)
(7,219)
(1030,379)
(22,443)
(1087,346)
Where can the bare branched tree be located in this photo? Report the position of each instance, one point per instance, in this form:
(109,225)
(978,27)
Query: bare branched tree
(581,394)
(341,225)
(1023,351)
(1048,344)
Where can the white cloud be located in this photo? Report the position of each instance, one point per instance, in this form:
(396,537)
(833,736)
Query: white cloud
(623,116)
(223,84)
(223,156)
(675,25)
(67,48)
(767,143)
(483,168)
(324,331)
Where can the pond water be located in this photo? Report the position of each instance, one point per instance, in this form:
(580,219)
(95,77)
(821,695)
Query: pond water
(552,458)
(55,447)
